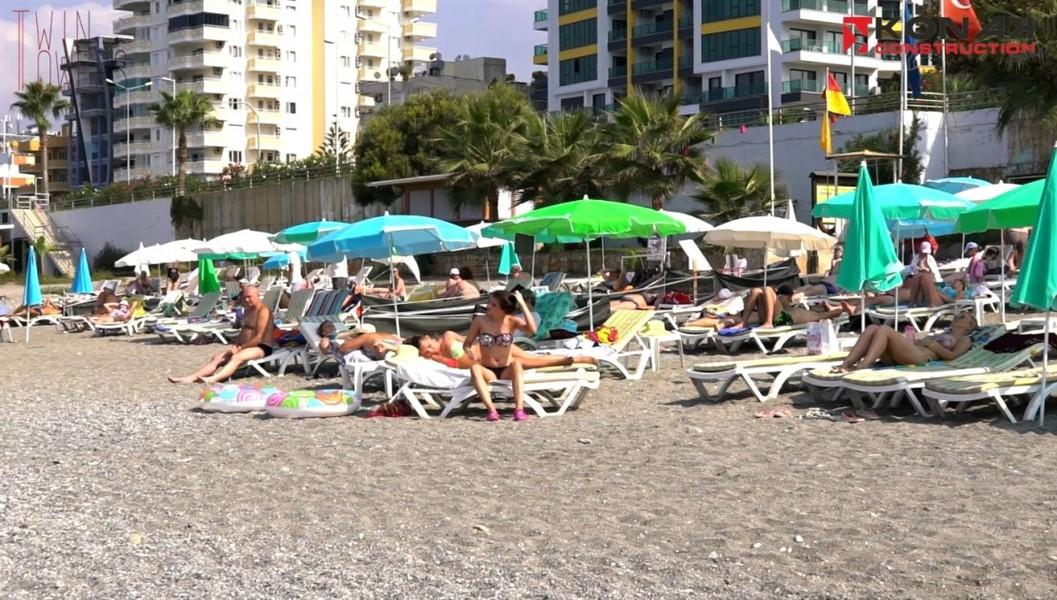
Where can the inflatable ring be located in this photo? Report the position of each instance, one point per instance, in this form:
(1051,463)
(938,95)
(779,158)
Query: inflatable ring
(301,404)
(235,398)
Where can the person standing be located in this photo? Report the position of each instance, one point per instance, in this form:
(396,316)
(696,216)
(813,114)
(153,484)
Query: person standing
(339,274)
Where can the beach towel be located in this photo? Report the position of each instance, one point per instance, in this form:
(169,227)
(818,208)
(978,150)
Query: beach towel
(552,308)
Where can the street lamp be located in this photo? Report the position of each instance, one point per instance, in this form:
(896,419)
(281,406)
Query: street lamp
(128,125)
(172,159)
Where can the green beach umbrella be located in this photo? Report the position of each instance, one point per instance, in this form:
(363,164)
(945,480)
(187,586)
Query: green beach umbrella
(1016,208)
(508,259)
(870,261)
(1037,281)
(306,233)
(207,276)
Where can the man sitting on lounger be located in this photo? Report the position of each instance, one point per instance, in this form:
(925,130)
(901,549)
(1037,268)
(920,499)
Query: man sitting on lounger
(254,342)
(777,308)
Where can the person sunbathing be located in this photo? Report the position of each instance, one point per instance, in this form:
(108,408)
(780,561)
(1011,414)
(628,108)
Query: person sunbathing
(777,308)
(121,314)
(882,343)
(447,349)
(373,345)
(927,292)
(254,342)
(106,301)
(46,308)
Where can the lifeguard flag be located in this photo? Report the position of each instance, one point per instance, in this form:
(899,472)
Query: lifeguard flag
(825,139)
(961,10)
(836,103)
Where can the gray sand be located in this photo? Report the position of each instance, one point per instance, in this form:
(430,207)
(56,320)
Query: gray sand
(114,486)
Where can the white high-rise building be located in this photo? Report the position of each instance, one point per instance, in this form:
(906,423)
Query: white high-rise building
(713,49)
(278,72)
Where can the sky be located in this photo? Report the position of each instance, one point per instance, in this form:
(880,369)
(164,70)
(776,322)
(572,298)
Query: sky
(495,28)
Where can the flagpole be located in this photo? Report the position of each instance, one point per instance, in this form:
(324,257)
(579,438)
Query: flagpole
(943,79)
(770,120)
(902,86)
(853,48)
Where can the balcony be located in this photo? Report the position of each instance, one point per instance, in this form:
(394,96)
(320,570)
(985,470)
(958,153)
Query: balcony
(420,30)
(804,45)
(839,7)
(139,6)
(539,56)
(126,25)
(136,148)
(419,53)
(540,20)
(657,66)
(371,50)
(732,93)
(136,47)
(136,173)
(205,167)
(795,86)
(206,85)
(418,8)
(122,98)
(265,12)
(261,90)
(264,64)
(139,71)
(651,29)
(192,35)
(373,3)
(263,142)
(264,117)
(190,7)
(618,35)
(135,123)
(263,37)
(201,60)
(207,139)
(365,101)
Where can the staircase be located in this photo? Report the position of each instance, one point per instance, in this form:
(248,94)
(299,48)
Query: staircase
(31,215)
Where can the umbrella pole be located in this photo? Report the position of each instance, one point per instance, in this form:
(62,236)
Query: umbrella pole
(1038,403)
(1002,262)
(533,273)
(896,325)
(590,294)
(603,254)
(28,324)
(862,310)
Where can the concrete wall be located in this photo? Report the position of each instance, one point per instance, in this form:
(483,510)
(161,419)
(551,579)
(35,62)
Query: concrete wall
(123,225)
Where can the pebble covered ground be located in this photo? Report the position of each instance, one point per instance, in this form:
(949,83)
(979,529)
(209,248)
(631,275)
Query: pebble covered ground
(112,485)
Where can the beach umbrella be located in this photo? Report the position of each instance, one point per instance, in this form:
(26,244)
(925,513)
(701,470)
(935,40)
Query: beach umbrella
(899,201)
(772,232)
(158,254)
(82,278)
(508,259)
(955,185)
(392,235)
(207,276)
(244,244)
(983,194)
(1018,207)
(31,295)
(695,227)
(586,220)
(870,261)
(281,260)
(308,232)
(1037,281)
(484,241)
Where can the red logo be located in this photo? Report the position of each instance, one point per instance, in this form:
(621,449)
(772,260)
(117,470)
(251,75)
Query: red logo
(854,27)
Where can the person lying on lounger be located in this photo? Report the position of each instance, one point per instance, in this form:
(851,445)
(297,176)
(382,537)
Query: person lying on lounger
(254,342)
(882,343)
(122,314)
(107,300)
(777,308)
(373,345)
(447,348)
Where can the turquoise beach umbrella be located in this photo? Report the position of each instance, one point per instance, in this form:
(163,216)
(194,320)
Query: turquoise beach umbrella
(899,201)
(956,184)
(308,232)
(508,259)
(1037,281)
(82,279)
(31,295)
(870,260)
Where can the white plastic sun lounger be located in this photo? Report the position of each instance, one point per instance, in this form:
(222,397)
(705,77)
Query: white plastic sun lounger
(778,369)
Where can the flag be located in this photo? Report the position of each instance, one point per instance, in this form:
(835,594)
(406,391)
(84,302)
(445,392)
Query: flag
(773,45)
(961,11)
(913,73)
(836,103)
(826,137)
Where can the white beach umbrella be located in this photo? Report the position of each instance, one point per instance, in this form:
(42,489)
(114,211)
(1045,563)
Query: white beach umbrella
(695,227)
(244,241)
(987,192)
(483,241)
(769,232)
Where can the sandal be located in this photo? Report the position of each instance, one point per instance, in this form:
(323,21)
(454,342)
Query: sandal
(849,416)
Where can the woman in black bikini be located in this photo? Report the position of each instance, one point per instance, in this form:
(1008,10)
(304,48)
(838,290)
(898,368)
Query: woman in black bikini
(495,333)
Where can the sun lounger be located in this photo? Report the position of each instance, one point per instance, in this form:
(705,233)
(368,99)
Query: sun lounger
(997,387)
(552,281)
(295,310)
(285,357)
(630,363)
(886,315)
(182,329)
(129,326)
(779,336)
(780,369)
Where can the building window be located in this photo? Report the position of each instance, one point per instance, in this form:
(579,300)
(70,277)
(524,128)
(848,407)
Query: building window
(291,107)
(345,10)
(578,70)
(570,104)
(235,51)
(730,44)
(346,61)
(570,6)
(346,111)
(291,56)
(291,81)
(580,33)
(235,156)
(749,84)
(292,30)
(802,81)
(721,10)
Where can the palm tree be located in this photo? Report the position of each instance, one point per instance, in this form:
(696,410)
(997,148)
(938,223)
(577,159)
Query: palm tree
(43,249)
(482,149)
(654,150)
(731,192)
(5,255)
(183,111)
(563,159)
(38,101)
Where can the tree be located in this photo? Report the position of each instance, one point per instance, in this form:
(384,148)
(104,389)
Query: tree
(5,255)
(563,159)
(336,146)
(397,142)
(887,141)
(653,150)
(43,249)
(183,111)
(731,191)
(37,102)
(482,149)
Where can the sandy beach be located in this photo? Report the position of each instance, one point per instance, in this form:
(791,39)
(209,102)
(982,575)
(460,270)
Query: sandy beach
(115,486)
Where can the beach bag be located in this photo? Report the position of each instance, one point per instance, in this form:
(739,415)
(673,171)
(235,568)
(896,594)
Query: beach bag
(675,297)
(821,337)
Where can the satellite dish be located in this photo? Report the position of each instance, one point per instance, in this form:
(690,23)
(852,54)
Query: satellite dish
(377,75)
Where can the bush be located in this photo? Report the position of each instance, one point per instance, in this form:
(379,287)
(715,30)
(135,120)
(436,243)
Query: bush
(104,259)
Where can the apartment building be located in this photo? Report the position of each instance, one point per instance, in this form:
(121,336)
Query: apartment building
(278,73)
(58,164)
(88,63)
(713,51)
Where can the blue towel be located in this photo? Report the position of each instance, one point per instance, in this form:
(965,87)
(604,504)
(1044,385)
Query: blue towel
(728,331)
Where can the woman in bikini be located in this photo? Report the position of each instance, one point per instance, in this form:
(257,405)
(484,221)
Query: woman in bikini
(373,345)
(494,360)
(882,343)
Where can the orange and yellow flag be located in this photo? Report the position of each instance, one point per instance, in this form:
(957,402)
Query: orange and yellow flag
(836,103)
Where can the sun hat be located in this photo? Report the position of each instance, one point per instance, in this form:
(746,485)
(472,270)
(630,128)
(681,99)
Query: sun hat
(925,248)
(454,272)
(971,246)
(724,294)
